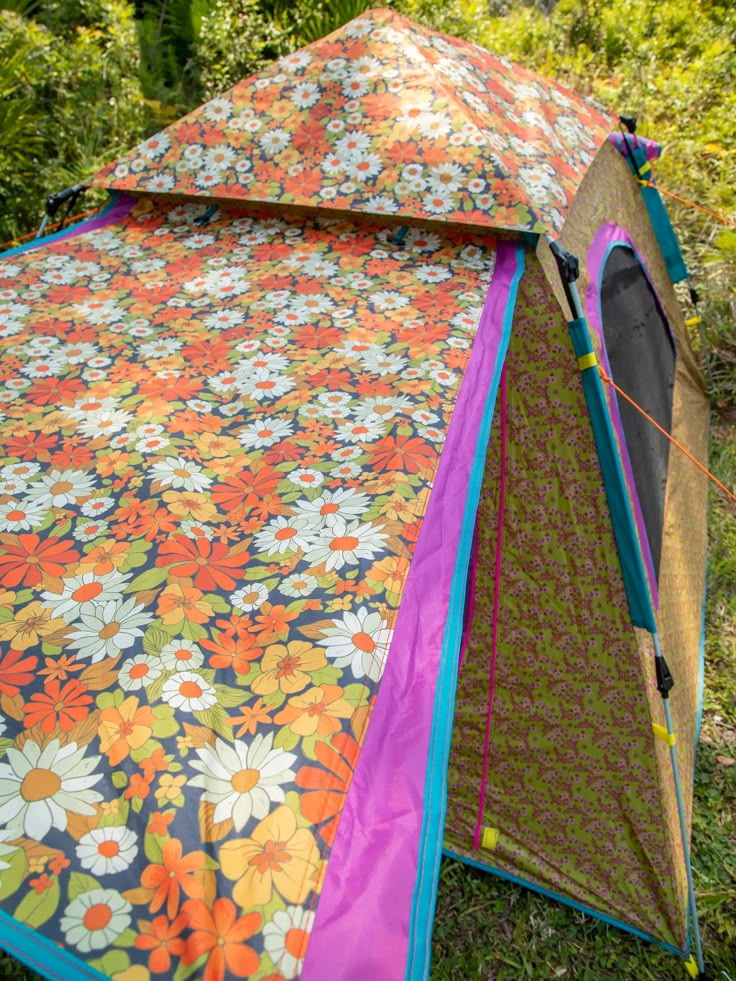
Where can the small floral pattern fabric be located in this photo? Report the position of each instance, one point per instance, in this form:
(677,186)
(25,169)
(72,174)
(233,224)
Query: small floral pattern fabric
(219,433)
(386,117)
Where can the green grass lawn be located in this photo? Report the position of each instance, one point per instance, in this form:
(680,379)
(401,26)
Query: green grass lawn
(490,929)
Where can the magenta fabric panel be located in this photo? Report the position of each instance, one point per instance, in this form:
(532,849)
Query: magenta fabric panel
(651,148)
(470,596)
(111,214)
(361,932)
(608,236)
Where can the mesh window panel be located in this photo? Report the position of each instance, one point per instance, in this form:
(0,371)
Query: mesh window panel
(641,355)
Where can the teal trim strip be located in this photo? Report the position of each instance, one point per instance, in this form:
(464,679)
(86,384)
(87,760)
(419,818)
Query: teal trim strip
(701,664)
(435,807)
(624,530)
(47,239)
(43,956)
(568,902)
(658,216)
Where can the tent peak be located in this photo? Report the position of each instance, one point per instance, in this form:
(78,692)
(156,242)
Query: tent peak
(386,117)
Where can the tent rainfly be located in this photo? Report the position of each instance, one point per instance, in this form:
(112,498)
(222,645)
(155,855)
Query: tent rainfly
(324,544)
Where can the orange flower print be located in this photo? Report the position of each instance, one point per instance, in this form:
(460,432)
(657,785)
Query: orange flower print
(164,941)
(25,559)
(277,856)
(316,712)
(251,716)
(125,728)
(172,876)
(219,932)
(16,671)
(233,651)
(326,788)
(209,565)
(65,707)
(407,453)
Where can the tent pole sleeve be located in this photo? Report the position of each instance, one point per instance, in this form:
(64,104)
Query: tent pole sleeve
(624,530)
(692,905)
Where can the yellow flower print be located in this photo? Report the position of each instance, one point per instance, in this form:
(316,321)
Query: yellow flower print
(178,603)
(277,856)
(190,505)
(288,668)
(169,787)
(316,712)
(30,624)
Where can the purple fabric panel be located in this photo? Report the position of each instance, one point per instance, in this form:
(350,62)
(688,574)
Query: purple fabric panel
(362,925)
(109,216)
(651,148)
(605,237)
(470,596)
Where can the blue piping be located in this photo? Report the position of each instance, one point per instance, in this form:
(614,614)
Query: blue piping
(42,955)
(430,847)
(568,902)
(47,239)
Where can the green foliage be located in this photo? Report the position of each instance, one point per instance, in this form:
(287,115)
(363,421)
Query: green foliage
(673,66)
(68,79)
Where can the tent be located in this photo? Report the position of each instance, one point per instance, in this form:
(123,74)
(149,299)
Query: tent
(325,544)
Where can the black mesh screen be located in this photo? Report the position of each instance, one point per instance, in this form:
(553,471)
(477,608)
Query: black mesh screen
(642,359)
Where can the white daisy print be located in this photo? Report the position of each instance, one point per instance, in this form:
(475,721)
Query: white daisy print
(83,592)
(38,786)
(243,780)
(298,585)
(250,597)
(59,488)
(95,919)
(189,692)
(182,655)
(345,503)
(106,850)
(306,478)
(360,641)
(366,430)
(265,432)
(139,672)
(109,628)
(284,536)
(285,939)
(20,516)
(180,474)
(342,544)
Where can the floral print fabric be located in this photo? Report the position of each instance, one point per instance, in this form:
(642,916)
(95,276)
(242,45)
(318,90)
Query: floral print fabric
(387,117)
(219,433)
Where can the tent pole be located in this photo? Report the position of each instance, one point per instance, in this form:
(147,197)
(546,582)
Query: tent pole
(664,691)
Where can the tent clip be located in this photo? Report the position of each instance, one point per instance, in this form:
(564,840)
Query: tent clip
(569,269)
(55,201)
(665,681)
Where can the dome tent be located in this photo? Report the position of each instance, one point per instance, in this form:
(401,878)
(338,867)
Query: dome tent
(314,493)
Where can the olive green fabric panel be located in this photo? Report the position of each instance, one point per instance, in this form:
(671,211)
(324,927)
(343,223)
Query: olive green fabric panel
(609,194)
(573,784)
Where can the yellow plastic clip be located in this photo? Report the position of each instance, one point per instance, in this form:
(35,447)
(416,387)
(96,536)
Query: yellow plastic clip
(692,321)
(587,361)
(668,737)
(489,839)
(645,169)
(692,968)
